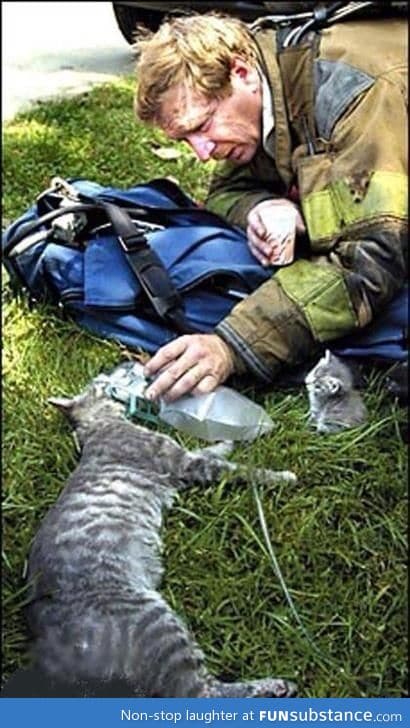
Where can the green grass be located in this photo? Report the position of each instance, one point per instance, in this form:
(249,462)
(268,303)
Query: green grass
(339,533)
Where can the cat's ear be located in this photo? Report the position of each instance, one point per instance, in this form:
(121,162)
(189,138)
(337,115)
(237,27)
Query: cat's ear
(331,358)
(333,384)
(64,404)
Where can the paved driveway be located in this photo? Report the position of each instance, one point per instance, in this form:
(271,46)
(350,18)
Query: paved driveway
(52,48)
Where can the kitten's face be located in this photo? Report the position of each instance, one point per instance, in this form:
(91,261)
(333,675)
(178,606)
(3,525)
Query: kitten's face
(89,406)
(330,376)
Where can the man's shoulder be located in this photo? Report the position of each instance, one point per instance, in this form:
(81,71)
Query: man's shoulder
(368,44)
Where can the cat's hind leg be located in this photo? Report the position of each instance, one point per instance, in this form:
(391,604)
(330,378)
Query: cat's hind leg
(269,687)
(163,660)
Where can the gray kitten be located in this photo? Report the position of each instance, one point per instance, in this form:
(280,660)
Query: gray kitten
(95,567)
(334,403)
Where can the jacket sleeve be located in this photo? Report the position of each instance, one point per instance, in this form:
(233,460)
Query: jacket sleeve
(235,190)
(354,198)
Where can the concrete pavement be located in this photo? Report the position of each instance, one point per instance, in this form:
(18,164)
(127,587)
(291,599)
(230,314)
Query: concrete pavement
(53,48)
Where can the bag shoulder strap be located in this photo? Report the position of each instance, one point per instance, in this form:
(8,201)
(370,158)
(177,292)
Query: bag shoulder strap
(143,260)
(148,268)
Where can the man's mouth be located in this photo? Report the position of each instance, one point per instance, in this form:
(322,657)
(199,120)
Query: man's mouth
(234,153)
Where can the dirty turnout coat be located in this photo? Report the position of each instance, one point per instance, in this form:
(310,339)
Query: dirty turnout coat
(340,136)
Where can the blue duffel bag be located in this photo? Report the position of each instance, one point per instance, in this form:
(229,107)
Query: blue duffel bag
(145,264)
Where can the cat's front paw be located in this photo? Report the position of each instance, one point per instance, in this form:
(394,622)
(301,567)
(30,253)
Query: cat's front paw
(328,428)
(272,688)
(219,449)
(275,476)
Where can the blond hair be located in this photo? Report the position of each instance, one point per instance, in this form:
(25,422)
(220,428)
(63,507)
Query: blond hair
(196,50)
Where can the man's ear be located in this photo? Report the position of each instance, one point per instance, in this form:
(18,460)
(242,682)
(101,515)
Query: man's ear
(243,72)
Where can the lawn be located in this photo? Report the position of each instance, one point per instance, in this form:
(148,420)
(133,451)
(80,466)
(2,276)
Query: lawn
(339,534)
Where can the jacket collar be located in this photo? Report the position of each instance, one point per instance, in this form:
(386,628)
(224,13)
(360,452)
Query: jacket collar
(268,119)
(278,142)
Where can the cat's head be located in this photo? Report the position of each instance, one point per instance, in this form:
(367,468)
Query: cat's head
(92,406)
(330,376)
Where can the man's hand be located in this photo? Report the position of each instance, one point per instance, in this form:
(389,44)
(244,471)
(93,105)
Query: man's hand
(265,242)
(196,363)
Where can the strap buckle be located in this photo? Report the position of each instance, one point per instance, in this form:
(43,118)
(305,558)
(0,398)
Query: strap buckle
(133,243)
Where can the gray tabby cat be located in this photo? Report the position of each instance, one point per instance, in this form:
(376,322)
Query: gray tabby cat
(334,403)
(95,563)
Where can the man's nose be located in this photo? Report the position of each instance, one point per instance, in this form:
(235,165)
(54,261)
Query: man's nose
(202,146)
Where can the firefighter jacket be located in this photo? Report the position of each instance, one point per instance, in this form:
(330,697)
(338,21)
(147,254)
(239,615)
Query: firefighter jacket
(340,135)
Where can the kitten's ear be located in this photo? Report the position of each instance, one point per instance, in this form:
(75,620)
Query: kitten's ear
(64,404)
(331,358)
(333,384)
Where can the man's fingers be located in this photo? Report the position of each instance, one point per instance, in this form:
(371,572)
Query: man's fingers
(166,381)
(165,355)
(256,225)
(188,382)
(259,248)
(258,255)
(184,363)
(181,372)
(206,385)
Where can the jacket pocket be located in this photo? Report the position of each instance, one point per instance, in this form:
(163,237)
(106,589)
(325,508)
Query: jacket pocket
(319,204)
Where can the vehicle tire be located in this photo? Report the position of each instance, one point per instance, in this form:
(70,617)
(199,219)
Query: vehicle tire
(385,9)
(127,19)
(288,8)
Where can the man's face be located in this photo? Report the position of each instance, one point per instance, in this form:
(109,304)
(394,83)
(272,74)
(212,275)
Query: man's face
(228,128)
